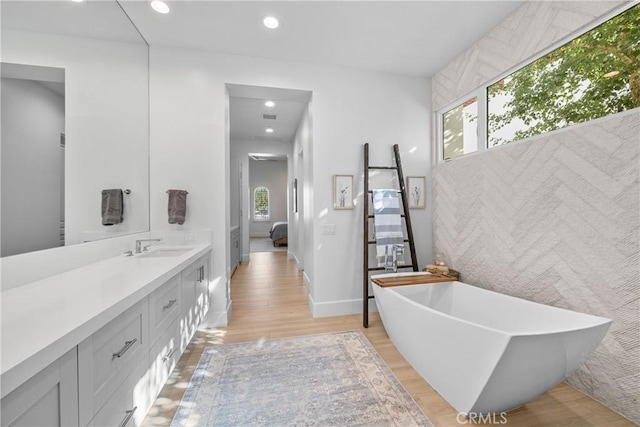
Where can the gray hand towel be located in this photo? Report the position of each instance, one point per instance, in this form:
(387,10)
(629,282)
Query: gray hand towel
(177,206)
(112,206)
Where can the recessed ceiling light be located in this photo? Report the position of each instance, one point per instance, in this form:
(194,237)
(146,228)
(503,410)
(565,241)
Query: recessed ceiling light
(271,22)
(269,130)
(270,104)
(160,6)
(78,1)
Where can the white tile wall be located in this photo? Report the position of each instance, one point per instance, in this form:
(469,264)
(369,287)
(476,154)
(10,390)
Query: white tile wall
(554,218)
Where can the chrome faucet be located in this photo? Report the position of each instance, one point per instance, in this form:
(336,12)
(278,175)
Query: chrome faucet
(392,264)
(397,250)
(139,244)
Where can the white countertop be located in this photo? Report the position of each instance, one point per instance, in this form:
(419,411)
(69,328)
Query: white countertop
(43,320)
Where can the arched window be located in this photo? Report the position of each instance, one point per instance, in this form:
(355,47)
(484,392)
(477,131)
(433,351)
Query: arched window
(261,204)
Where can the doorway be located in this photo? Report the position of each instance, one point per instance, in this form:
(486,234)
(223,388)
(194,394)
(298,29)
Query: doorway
(268,197)
(269,129)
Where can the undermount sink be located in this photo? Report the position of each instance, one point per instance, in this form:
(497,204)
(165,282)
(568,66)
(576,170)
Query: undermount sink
(165,252)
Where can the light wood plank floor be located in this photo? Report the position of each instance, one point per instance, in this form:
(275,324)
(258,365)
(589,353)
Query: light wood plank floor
(270,301)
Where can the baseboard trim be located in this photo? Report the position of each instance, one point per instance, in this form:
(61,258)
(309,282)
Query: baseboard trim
(338,308)
(293,257)
(307,283)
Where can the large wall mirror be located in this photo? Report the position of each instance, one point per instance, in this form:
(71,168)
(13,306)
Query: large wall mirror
(75,122)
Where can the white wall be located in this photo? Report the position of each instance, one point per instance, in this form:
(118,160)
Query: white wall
(32,166)
(272,175)
(189,148)
(106,123)
(553,218)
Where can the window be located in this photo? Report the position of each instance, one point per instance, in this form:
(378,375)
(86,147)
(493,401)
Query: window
(594,75)
(460,129)
(261,204)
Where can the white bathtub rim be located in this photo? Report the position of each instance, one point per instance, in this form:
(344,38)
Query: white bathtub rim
(603,320)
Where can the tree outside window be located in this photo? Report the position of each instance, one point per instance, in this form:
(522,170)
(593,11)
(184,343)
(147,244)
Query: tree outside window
(261,204)
(594,75)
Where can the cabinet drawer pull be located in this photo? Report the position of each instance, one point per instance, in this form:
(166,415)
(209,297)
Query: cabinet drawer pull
(127,346)
(127,417)
(169,305)
(168,356)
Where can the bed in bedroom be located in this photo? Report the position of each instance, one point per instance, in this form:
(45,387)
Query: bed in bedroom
(278,233)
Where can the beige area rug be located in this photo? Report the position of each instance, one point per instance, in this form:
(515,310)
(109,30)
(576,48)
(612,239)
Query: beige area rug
(333,379)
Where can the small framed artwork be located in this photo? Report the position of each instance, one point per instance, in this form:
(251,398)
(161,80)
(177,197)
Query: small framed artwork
(416,192)
(343,191)
(295,195)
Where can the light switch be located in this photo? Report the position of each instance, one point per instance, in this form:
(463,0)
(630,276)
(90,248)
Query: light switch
(328,229)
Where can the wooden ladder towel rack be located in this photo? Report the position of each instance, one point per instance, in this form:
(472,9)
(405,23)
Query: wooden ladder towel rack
(368,216)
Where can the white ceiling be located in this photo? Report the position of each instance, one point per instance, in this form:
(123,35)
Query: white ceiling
(94,19)
(414,38)
(247,107)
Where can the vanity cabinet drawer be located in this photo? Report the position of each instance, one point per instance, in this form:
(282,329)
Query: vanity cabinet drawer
(165,304)
(109,356)
(129,402)
(163,357)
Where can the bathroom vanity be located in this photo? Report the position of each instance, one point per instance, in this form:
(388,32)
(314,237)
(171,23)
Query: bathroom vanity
(94,346)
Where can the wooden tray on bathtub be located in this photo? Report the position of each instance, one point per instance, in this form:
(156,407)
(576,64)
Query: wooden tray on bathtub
(412,280)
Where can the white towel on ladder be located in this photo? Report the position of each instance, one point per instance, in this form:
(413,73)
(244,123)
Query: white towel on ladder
(387,225)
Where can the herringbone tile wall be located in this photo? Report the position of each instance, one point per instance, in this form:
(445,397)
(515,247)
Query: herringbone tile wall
(555,218)
(529,30)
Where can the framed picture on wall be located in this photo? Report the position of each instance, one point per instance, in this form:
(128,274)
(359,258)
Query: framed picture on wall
(343,191)
(294,196)
(416,192)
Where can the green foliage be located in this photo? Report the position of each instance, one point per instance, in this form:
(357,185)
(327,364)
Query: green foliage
(261,202)
(594,75)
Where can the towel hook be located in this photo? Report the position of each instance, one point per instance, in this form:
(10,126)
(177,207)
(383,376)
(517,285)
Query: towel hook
(127,191)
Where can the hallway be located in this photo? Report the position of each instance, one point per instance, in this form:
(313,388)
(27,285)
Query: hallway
(270,301)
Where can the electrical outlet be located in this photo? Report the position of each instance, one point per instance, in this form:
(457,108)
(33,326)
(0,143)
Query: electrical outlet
(329,229)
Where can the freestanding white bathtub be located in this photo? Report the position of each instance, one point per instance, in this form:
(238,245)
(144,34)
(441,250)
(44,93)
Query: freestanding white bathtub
(482,351)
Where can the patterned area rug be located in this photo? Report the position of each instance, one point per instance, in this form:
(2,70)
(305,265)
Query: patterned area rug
(264,244)
(317,380)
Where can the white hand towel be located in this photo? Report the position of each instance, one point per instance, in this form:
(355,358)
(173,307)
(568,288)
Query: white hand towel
(387,224)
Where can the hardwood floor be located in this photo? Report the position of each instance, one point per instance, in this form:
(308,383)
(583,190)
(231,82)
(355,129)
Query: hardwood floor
(270,301)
